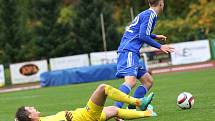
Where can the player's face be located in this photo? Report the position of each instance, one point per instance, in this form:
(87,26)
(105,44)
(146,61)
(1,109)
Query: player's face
(33,113)
(161,6)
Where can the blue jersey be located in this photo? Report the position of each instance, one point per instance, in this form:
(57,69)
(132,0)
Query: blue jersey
(139,32)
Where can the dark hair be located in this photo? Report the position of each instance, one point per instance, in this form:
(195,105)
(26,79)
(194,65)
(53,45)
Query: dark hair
(153,3)
(22,114)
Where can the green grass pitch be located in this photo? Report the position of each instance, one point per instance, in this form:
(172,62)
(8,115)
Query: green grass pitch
(166,88)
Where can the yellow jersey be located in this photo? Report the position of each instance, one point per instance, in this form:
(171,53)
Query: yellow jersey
(91,112)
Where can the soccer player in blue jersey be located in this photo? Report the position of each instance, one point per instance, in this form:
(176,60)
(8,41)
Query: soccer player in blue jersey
(138,33)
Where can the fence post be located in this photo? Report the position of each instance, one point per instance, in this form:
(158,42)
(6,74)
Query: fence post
(213,48)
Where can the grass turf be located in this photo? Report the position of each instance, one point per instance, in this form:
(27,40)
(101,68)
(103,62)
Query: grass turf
(166,88)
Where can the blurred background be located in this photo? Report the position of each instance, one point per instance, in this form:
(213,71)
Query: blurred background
(59,42)
(43,29)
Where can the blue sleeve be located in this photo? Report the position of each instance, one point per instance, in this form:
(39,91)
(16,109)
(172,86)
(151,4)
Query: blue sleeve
(145,31)
(148,40)
(153,36)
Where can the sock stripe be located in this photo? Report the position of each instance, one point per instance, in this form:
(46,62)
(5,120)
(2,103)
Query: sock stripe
(128,86)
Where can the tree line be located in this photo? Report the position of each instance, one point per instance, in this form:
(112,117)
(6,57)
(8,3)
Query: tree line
(42,29)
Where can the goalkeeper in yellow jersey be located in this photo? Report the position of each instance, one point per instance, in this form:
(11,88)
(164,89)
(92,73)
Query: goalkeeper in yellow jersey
(94,110)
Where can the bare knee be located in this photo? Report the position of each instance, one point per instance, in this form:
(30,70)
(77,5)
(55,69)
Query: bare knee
(131,81)
(149,84)
(101,87)
(147,80)
(111,111)
(114,110)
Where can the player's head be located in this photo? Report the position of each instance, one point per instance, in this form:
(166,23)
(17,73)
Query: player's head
(25,113)
(159,4)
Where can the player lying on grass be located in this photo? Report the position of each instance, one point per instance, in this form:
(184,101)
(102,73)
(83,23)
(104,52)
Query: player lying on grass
(94,110)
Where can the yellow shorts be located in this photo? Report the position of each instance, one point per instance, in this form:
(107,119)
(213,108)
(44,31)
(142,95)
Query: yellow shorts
(91,112)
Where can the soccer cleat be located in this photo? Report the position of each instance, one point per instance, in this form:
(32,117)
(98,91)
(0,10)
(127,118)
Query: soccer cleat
(133,107)
(146,101)
(150,107)
(154,114)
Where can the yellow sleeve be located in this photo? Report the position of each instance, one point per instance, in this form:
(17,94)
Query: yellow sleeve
(103,117)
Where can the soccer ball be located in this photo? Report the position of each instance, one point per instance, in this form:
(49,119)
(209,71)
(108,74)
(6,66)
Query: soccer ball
(185,100)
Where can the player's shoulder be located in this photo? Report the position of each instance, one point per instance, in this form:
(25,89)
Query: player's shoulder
(148,12)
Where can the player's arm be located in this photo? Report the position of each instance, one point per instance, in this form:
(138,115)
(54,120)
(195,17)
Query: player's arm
(145,32)
(153,36)
(145,35)
(158,37)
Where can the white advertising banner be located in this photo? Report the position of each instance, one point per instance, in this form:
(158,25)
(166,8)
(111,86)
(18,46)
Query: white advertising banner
(69,62)
(155,58)
(108,57)
(2,77)
(191,52)
(27,71)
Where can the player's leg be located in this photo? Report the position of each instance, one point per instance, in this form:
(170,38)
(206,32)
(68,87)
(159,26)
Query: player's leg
(127,67)
(111,111)
(146,83)
(96,103)
(130,82)
(98,98)
(108,113)
(100,94)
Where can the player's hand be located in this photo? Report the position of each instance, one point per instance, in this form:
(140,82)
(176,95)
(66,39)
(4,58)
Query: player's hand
(167,49)
(68,116)
(161,37)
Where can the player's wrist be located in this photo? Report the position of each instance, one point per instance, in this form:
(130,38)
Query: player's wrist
(154,36)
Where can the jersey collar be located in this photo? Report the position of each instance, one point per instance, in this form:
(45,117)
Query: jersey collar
(153,11)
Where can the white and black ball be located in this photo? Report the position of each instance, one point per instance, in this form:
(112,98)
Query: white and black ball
(185,100)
